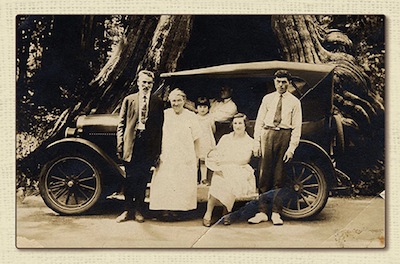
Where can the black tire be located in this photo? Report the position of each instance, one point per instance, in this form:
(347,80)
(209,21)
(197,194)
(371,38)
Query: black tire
(311,191)
(70,184)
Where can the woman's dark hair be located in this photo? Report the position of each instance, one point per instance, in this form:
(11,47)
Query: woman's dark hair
(202,101)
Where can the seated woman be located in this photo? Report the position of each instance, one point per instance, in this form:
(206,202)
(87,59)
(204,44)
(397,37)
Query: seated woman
(233,177)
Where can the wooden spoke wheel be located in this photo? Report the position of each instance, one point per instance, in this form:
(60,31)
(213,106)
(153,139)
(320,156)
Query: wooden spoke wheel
(70,184)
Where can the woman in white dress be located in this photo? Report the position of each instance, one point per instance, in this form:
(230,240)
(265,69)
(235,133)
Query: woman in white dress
(233,176)
(174,182)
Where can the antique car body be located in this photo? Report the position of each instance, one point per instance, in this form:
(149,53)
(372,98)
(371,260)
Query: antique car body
(84,164)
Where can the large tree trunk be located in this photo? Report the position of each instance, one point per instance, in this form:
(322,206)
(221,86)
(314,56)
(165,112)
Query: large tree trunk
(150,42)
(304,38)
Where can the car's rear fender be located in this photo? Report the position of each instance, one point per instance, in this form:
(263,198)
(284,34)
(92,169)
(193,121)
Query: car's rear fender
(110,169)
(311,152)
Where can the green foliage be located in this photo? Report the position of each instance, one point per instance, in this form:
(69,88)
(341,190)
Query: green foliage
(57,56)
(372,180)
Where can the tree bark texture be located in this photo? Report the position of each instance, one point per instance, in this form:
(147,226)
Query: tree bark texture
(305,39)
(150,42)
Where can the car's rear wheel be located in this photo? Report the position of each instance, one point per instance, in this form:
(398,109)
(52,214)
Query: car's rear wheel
(310,191)
(70,184)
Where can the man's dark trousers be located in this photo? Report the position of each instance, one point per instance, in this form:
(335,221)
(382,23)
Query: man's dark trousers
(137,176)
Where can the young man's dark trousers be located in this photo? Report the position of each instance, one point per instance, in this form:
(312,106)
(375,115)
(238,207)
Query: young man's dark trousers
(274,144)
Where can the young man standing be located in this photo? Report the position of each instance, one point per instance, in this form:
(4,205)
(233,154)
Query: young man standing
(276,136)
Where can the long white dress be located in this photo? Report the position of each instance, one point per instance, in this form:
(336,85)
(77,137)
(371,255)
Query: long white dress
(232,181)
(174,183)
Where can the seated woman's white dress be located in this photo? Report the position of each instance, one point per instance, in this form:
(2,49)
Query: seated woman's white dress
(232,181)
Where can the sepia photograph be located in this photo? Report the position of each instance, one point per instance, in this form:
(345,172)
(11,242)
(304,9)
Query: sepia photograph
(200,131)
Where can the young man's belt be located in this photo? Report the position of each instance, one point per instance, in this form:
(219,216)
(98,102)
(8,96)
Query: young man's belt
(275,128)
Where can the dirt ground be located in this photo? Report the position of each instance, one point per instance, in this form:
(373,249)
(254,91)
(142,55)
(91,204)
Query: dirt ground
(343,223)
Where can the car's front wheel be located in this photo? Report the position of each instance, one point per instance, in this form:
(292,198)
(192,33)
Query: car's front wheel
(70,184)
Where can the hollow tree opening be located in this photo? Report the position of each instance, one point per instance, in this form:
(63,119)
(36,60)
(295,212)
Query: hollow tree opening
(223,39)
(228,39)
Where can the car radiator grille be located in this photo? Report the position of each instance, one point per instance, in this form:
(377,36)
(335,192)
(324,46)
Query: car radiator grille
(101,134)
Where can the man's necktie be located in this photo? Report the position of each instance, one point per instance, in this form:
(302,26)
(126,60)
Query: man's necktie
(143,117)
(278,113)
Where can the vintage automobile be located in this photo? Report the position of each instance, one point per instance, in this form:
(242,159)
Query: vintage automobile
(82,168)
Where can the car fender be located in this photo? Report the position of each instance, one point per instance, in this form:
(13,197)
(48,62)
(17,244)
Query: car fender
(88,147)
(311,152)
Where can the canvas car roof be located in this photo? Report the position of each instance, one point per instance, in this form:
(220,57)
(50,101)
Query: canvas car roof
(312,73)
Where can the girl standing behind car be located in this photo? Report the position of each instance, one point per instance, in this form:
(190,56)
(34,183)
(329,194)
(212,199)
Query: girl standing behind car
(207,142)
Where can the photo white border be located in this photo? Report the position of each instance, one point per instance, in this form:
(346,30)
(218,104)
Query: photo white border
(10,8)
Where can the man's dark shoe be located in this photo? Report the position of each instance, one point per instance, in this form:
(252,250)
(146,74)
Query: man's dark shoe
(125,216)
(139,217)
